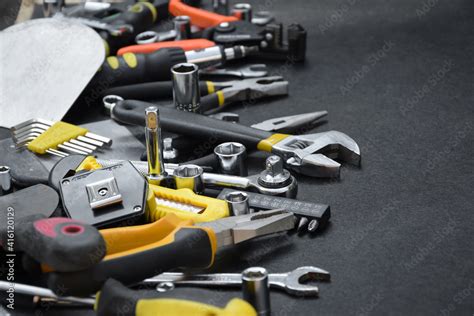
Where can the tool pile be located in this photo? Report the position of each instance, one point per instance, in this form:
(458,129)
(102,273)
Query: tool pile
(103,227)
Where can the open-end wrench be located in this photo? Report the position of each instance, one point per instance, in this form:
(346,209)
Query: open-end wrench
(292,282)
(311,154)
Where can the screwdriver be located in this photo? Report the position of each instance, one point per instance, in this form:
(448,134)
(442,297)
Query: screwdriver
(116,299)
(135,253)
(133,68)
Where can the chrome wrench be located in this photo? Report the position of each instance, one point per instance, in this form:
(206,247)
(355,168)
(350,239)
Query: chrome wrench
(291,282)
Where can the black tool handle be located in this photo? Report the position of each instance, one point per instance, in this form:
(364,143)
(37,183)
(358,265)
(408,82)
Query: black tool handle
(189,248)
(141,16)
(149,90)
(133,68)
(191,124)
(61,243)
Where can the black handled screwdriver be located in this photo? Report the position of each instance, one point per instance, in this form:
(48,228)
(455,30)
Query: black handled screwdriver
(133,68)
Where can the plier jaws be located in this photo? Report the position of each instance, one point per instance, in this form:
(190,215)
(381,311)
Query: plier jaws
(236,229)
(289,122)
(253,88)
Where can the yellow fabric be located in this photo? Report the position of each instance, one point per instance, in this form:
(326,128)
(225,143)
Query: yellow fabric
(58,133)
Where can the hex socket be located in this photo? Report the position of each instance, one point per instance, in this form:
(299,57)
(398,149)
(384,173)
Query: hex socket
(186,93)
(238,203)
(243,11)
(255,289)
(6,185)
(189,177)
(231,158)
(182,26)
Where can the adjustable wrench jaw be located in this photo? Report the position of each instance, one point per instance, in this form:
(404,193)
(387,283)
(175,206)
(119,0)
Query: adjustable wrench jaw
(313,154)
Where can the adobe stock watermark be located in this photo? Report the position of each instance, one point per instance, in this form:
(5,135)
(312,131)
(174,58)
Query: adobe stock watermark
(430,246)
(336,16)
(9,259)
(425,8)
(371,62)
(461,296)
(433,80)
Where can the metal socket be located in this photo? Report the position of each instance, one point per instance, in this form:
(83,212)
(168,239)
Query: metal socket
(238,203)
(182,27)
(6,183)
(231,157)
(154,145)
(255,289)
(243,11)
(189,177)
(186,93)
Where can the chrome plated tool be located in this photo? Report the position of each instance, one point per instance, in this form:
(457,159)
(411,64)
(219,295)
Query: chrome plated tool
(290,122)
(309,154)
(255,289)
(293,282)
(245,71)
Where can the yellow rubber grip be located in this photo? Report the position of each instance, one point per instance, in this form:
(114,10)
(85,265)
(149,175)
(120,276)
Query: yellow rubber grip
(58,133)
(210,87)
(212,209)
(220,97)
(130,59)
(175,307)
(267,144)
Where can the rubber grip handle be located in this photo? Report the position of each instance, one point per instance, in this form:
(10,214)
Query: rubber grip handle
(137,68)
(63,244)
(149,90)
(135,253)
(116,299)
(141,16)
(190,124)
(190,44)
(199,17)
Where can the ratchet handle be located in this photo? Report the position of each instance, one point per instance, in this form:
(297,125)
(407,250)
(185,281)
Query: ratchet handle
(199,17)
(138,252)
(149,90)
(190,44)
(191,124)
(60,243)
(137,68)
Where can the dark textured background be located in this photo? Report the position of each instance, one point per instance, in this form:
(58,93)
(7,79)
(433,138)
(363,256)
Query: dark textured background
(397,76)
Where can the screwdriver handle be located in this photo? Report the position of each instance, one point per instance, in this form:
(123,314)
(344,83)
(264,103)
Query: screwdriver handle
(63,244)
(190,44)
(199,17)
(191,124)
(137,68)
(116,299)
(150,90)
(141,16)
(137,252)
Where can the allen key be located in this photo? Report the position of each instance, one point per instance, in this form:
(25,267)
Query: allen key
(56,138)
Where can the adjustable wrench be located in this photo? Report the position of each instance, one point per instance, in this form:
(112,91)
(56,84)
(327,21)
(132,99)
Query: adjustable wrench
(291,282)
(311,154)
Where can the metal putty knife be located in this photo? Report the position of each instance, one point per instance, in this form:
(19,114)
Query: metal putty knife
(45,64)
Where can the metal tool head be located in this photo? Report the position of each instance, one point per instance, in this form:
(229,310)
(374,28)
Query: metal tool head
(246,71)
(236,229)
(291,121)
(226,116)
(313,154)
(254,88)
(294,281)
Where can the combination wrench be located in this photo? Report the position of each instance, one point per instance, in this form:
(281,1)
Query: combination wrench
(292,282)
